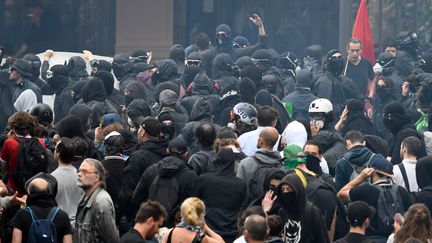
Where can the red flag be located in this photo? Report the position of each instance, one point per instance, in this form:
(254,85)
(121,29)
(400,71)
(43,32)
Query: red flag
(363,31)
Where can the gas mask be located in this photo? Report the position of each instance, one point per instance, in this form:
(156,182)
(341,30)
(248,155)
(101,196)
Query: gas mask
(386,69)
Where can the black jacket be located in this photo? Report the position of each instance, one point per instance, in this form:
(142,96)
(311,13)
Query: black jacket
(395,142)
(147,154)
(168,167)
(223,194)
(333,145)
(302,220)
(300,99)
(114,166)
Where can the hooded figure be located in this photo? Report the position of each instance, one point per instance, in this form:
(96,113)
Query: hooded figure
(223,194)
(138,108)
(166,78)
(59,81)
(401,126)
(177,53)
(113,94)
(424,181)
(84,113)
(77,69)
(201,86)
(252,72)
(223,71)
(264,98)
(223,44)
(35,63)
(169,105)
(23,68)
(288,63)
(94,96)
(357,119)
(302,220)
(122,69)
(273,85)
(312,59)
(137,90)
(189,75)
(263,60)
(300,99)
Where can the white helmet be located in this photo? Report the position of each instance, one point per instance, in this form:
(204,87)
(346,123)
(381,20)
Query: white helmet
(246,112)
(321,105)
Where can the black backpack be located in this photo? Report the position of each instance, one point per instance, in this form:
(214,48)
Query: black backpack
(389,203)
(32,158)
(165,191)
(256,184)
(42,230)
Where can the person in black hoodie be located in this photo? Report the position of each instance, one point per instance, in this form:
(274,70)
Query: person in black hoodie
(150,150)
(401,126)
(165,77)
(223,193)
(174,165)
(177,54)
(202,112)
(302,219)
(424,181)
(77,69)
(384,95)
(354,118)
(94,96)
(201,86)
(223,73)
(122,69)
(113,94)
(59,81)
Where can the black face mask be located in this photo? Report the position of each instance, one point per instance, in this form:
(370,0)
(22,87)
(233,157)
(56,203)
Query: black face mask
(222,40)
(336,64)
(287,199)
(313,164)
(168,130)
(127,100)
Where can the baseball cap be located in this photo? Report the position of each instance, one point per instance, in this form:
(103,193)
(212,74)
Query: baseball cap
(152,126)
(382,165)
(358,212)
(177,146)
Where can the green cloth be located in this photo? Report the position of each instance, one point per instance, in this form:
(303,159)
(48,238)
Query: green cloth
(293,155)
(423,123)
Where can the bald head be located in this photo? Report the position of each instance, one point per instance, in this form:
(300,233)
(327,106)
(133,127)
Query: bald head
(269,137)
(38,185)
(256,227)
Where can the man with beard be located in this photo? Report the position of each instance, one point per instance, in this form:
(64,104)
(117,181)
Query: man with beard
(148,220)
(95,218)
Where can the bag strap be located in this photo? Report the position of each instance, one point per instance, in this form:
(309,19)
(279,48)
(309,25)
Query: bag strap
(404,176)
(33,216)
(170,235)
(53,213)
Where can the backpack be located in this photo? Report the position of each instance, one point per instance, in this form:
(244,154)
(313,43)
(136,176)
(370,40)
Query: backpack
(32,158)
(389,203)
(42,230)
(358,169)
(256,184)
(165,191)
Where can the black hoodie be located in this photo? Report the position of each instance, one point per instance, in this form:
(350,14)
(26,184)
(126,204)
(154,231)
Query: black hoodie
(146,154)
(424,181)
(302,220)
(169,167)
(223,194)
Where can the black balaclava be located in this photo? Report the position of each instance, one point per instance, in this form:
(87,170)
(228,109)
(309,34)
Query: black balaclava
(386,91)
(223,40)
(35,65)
(262,59)
(335,64)
(59,79)
(77,67)
(294,203)
(394,117)
(222,65)
(93,89)
(313,164)
(387,61)
(121,65)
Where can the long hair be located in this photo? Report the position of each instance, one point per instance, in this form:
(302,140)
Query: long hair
(417,224)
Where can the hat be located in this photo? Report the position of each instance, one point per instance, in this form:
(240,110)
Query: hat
(394,108)
(382,165)
(165,116)
(177,146)
(313,51)
(23,67)
(113,143)
(294,156)
(262,54)
(241,41)
(59,70)
(332,52)
(223,28)
(303,78)
(111,118)
(152,126)
(358,212)
(167,97)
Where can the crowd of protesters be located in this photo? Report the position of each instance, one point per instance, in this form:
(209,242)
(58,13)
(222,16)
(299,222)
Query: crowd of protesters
(230,142)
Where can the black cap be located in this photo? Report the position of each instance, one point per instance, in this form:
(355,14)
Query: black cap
(23,67)
(358,212)
(394,108)
(152,126)
(177,146)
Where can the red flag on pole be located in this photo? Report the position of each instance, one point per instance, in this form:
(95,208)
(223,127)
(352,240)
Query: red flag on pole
(363,31)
